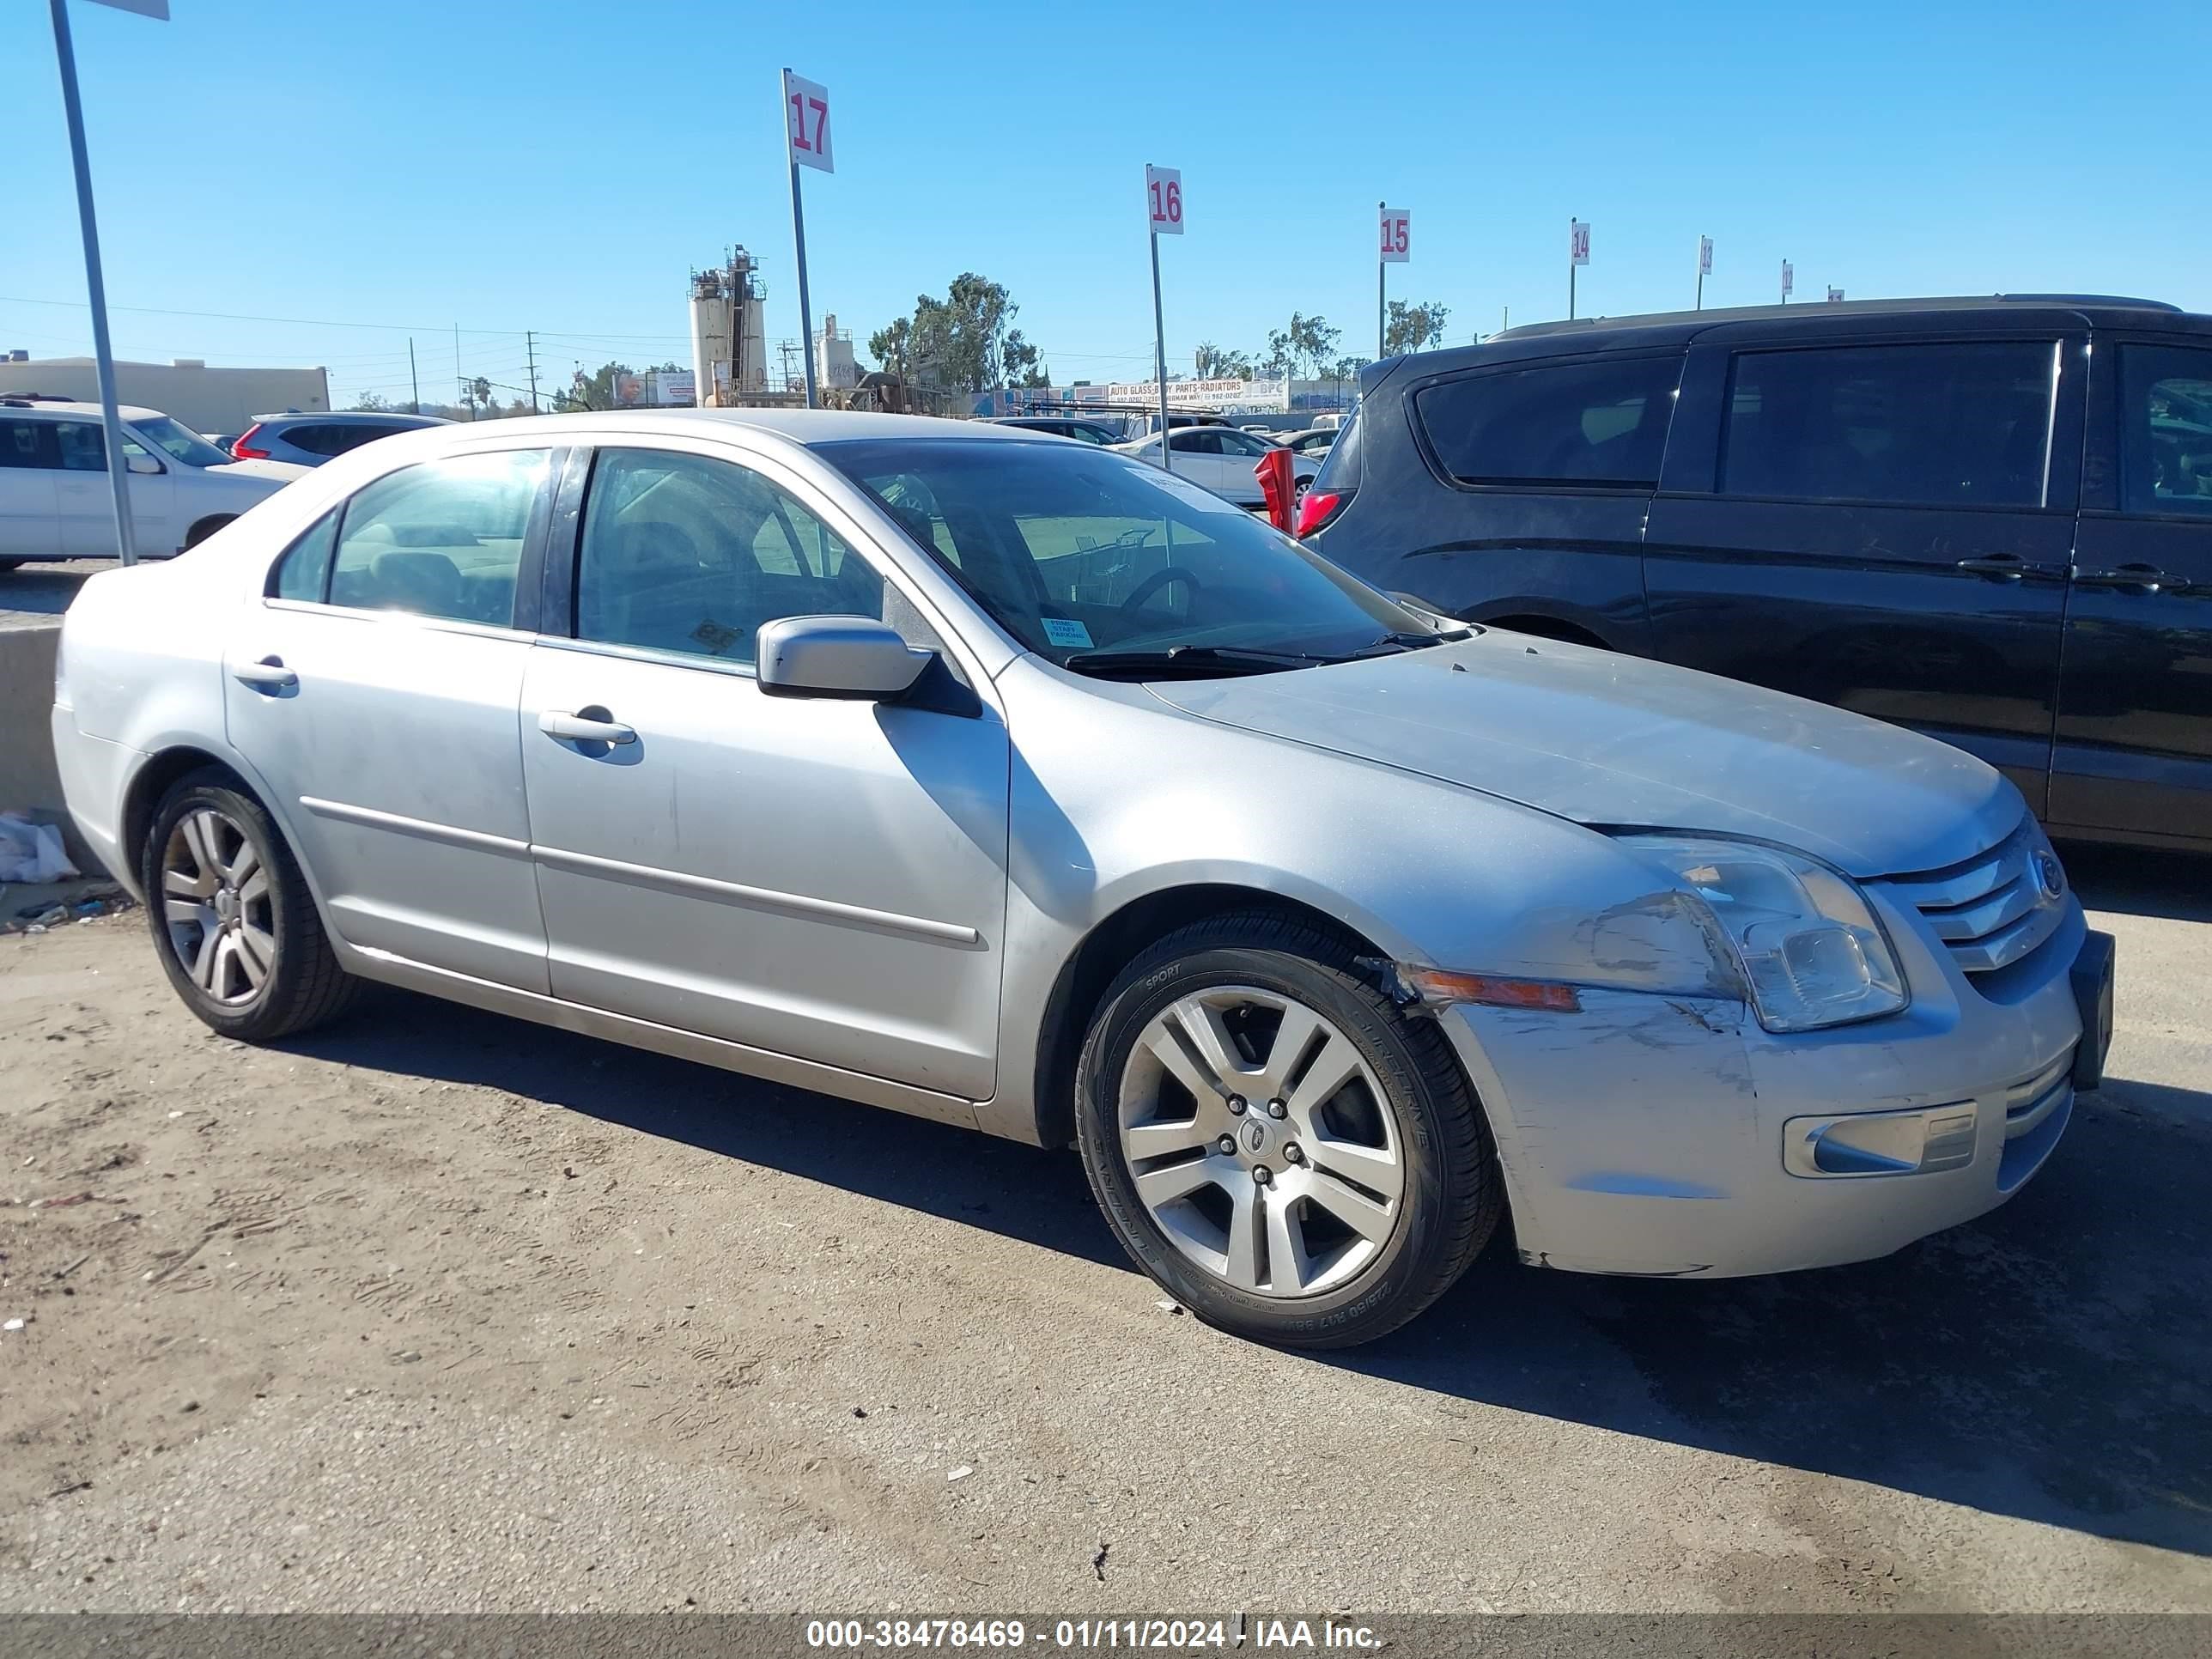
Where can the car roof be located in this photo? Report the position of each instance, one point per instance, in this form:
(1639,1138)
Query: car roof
(1842,317)
(66,412)
(805,427)
(350,417)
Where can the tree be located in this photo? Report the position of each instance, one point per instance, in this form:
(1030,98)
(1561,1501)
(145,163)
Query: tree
(1215,364)
(888,346)
(1312,340)
(1414,328)
(480,394)
(965,341)
(373,401)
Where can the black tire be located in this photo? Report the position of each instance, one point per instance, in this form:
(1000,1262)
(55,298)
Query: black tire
(207,527)
(1453,1196)
(303,986)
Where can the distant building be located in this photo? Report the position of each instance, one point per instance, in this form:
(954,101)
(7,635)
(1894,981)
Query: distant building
(205,399)
(833,357)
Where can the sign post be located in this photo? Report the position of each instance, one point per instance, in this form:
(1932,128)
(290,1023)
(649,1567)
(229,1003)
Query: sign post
(806,139)
(1397,246)
(1164,211)
(1704,267)
(1789,281)
(1835,297)
(1578,254)
(110,422)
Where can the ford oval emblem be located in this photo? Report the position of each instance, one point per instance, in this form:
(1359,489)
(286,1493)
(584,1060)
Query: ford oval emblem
(2049,878)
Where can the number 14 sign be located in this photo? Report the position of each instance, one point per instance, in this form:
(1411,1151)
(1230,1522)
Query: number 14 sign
(806,122)
(1397,235)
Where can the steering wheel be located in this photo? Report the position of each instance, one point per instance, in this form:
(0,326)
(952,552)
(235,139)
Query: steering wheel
(1159,579)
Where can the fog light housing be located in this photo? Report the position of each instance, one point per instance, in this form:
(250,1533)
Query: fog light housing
(1920,1142)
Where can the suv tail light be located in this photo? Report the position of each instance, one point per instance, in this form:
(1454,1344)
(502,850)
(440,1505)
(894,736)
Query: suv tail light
(1319,507)
(244,450)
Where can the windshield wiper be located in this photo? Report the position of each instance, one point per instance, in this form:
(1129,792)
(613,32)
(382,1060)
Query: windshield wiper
(1200,659)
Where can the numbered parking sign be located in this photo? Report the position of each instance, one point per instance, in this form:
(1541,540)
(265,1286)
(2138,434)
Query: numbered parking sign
(1577,242)
(1164,200)
(1397,235)
(806,122)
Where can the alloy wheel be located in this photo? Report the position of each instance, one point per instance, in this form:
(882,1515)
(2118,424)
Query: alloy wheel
(1261,1142)
(216,903)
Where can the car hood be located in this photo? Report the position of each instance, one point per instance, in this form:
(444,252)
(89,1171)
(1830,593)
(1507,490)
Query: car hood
(1604,739)
(282,471)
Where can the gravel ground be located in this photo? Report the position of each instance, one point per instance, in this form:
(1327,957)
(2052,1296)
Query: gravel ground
(434,1311)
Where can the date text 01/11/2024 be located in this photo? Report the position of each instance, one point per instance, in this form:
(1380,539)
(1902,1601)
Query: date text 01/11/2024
(1166,1635)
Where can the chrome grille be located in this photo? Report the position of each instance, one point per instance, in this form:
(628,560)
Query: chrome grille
(1990,910)
(2026,1104)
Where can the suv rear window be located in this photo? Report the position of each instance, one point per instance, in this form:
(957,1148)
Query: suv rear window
(1572,423)
(1962,422)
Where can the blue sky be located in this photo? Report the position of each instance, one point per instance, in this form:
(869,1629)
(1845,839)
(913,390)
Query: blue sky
(561,165)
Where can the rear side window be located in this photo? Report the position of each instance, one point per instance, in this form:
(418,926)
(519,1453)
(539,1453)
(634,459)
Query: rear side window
(27,443)
(1962,423)
(1339,468)
(304,572)
(1568,424)
(2166,430)
(440,539)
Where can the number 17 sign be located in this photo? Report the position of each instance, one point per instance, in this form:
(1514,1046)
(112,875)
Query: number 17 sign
(1397,235)
(806,122)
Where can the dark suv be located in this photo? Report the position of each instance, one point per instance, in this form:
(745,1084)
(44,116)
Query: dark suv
(1991,519)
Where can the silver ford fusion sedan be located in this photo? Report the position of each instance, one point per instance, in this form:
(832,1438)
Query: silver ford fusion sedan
(1017,784)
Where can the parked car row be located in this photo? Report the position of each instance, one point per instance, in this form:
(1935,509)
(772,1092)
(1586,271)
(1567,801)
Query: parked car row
(1018,784)
(1987,519)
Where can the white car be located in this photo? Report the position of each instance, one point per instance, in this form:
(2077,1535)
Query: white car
(1221,458)
(54,497)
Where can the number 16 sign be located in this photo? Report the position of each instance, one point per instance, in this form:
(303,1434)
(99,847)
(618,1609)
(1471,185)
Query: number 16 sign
(1164,200)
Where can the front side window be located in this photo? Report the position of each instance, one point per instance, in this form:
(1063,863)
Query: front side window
(1195,440)
(84,446)
(2166,430)
(687,554)
(1597,423)
(440,539)
(1078,551)
(1957,423)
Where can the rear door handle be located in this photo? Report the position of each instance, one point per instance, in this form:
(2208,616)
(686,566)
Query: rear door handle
(269,674)
(584,728)
(2010,568)
(2138,578)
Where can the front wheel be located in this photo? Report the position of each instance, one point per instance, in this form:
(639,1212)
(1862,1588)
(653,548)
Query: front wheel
(1286,1151)
(233,920)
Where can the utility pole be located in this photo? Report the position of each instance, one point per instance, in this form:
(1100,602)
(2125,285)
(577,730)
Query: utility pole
(413,378)
(460,380)
(110,422)
(529,344)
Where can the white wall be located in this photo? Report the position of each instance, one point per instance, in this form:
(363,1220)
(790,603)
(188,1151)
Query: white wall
(205,399)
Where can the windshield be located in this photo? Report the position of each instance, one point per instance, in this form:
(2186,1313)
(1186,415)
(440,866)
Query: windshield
(1078,552)
(179,443)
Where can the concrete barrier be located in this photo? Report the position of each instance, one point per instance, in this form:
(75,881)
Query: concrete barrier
(28,779)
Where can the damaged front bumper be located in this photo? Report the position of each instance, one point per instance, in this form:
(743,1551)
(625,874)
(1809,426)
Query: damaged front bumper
(1668,1135)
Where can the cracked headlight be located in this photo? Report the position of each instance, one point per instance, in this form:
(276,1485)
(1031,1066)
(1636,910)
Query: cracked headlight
(1811,951)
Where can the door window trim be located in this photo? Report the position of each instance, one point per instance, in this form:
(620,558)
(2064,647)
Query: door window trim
(522,616)
(563,554)
(1426,448)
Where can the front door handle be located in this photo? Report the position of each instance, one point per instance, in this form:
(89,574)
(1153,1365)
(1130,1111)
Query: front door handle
(591,726)
(2011,567)
(269,674)
(2135,578)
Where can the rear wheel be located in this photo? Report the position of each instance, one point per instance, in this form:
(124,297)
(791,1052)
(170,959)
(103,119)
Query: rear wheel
(1275,1142)
(232,920)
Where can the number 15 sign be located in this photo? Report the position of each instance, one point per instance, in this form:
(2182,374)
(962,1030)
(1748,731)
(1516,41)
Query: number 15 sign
(806,122)
(1397,235)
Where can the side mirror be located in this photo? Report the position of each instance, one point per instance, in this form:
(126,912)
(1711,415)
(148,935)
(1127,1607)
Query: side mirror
(144,465)
(851,657)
